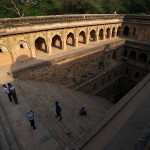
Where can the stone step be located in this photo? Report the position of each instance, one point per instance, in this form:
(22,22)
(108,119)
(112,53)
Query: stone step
(41,98)
(7,140)
(42,108)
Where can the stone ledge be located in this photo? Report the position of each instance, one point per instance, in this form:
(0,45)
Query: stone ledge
(7,131)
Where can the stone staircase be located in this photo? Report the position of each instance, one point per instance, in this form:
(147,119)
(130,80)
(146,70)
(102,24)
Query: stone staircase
(51,133)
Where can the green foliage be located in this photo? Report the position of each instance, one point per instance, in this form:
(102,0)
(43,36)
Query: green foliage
(53,7)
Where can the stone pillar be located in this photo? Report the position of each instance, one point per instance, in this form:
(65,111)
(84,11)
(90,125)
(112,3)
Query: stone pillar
(31,46)
(63,40)
(9,43)
(64,44)
(76,38)
(97,34)
(104,34)
(49,42)
(32,50)
(110,36)
(49,49)
(115,33)
(87,36)
(76,42)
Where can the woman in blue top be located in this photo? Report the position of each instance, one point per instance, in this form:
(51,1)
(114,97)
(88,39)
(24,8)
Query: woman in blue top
(30,116)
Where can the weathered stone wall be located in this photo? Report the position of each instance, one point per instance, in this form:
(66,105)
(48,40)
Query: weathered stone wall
(110,76)
(26,36)
(72,69)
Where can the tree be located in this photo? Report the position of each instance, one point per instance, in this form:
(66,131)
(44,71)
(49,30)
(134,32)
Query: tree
(16,7)
(81,6)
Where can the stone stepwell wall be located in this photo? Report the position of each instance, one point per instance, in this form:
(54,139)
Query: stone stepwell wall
(69,68)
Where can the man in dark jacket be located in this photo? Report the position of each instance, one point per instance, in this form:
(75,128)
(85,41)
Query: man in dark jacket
(58,110)
(13,92)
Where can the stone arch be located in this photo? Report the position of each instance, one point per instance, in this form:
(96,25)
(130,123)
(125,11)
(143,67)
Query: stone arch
(92,35)
(57,42)
(126,31)
(40,44)
(94,86)
(22,45)
(114,55)
(132,55)
(119,31)
(134,31)
(109,77)
(108,33)
(115,74)
(141,34)
(102,81)
(70,39)
(5,56)
(142,58)
(101,34)
(113,32)
(127,71)
(125,54)
(3,49)
(82,37)
(136,75)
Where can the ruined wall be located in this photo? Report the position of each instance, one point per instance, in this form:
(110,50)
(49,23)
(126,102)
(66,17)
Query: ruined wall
(109,79)
(72,69)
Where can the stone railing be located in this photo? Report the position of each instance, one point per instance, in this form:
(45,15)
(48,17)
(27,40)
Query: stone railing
(14,22)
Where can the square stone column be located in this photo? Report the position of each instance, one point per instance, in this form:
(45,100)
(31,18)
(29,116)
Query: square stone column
(76,42)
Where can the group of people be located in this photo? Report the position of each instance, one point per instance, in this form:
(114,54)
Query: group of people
(9,89)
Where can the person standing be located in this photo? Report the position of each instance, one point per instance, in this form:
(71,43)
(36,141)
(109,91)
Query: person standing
(13,92)
(30,116)
(82,111)
(58,111)
(6,90)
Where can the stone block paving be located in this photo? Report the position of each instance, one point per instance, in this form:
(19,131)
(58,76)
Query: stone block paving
(50,133)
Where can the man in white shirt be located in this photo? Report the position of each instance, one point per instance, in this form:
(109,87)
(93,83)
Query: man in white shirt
(12,91)
(6,90)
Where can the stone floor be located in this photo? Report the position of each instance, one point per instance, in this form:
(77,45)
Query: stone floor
(50,133)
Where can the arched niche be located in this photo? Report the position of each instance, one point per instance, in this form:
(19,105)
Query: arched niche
(3,49)
(82,37)
(109,77)
(115,74)
(113,32)
(125,54)
(101,34)
(132,55)
(57,42)
(142,59)
(22,45)
(5,56)
(126,31)
(92,35)
(108,33)
(40,44)
(119,31)
(134,31)
(114,55)
(70,39)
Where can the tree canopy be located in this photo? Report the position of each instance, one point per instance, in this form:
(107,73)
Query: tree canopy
(21,8)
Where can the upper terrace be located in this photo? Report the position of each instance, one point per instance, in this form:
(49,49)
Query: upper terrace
(7,25)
